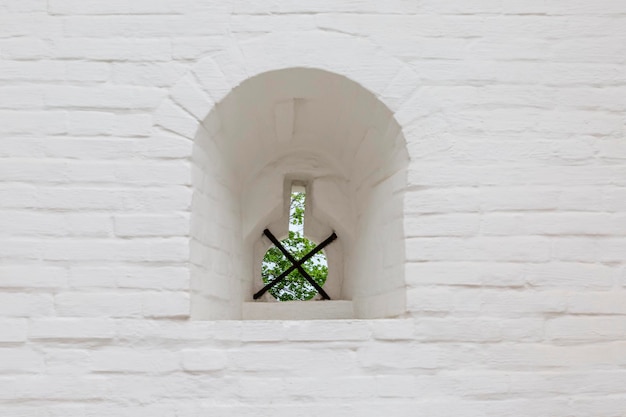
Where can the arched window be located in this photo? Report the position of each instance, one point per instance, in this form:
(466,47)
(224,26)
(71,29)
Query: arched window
(313,129)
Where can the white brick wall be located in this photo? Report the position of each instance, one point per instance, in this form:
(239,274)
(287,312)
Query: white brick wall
(515,214)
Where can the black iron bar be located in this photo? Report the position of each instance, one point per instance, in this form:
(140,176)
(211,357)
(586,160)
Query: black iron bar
(296,264)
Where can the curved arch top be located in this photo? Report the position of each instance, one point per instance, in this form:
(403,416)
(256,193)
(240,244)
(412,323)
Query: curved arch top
(212,78)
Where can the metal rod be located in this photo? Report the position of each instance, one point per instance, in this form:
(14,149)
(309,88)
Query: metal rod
(295,265)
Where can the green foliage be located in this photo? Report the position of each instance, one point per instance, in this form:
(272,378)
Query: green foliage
(294,286)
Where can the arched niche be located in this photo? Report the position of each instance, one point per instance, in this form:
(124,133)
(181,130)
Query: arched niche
(316,127)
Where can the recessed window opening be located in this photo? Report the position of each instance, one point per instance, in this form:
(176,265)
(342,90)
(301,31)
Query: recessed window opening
(338,150)
(284,279)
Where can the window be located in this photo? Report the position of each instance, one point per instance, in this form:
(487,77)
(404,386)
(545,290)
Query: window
(277,134)
(295,268)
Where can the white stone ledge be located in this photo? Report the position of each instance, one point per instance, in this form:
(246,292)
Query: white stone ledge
(298,310)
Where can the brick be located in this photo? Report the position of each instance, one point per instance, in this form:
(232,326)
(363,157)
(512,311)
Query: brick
(287,361)
(26,97)
(319,330)
(55,224)
(152,74)
(389,356)
(501,274)
(533,249)
(164,250)
(442,225)
(61,387)
(173,118)
(118,49)
(151,225)
(102,304)
(116,7)
(571,275)
(71,329)
(131,360)
(133,277)
(166,304)
(586,329)
(66,360)
(606,302)
(111,97)
(32,276)
(42,122)
(14,360)
(204,360)
(151,199)
(32,70)
(13,330)
(25,305)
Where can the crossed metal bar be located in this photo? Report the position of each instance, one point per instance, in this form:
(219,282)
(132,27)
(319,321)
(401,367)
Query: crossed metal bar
(296,264)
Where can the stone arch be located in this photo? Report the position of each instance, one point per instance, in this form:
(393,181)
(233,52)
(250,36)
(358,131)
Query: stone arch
(193,110)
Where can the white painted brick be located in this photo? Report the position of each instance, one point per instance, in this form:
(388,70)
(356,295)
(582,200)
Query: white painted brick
(286,360)
(173,118)
(24,48)
(327,330)
(153,74)
(488,274)
(150,199)
(32,276)
(188,94)
(55,224)
(71,329)
(443,225)
(585,329)
(51,71)
(203,360)
(90,122)
(151,225)
(25,305)
(12,97)
(478,330)
(282,6)
(92,147)
(442,200)
(195,47)
(608,302)
(165,250)
(66,361)
(114,97)
(529,249)
(13,330)
(263,331)
(84,71)
(118,49)
(393,329)
(591,249)
(133,277)
(571,275)
(556,223)
(130,360)
(27,6)
(101,304)
(116,7)
(46,122)
(20,361)
(60,387)
(165,304)
(389,356)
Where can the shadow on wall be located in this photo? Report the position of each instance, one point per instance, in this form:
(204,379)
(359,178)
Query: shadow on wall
(316,128)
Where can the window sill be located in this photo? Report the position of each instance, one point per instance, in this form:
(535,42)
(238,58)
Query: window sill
(298,310)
